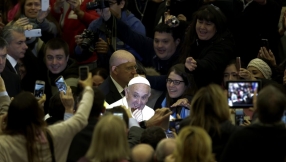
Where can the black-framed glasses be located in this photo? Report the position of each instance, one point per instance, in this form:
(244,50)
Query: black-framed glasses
(175,82)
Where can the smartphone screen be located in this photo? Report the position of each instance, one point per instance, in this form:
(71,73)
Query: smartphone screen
(240,93)
(83,72)
(39,89)
(239,116)
(264,43)
(60,83)
(120,115)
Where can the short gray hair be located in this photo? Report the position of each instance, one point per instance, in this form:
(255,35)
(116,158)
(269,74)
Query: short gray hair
(7,32)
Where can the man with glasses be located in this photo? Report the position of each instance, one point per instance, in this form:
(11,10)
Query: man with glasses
(137,94)
(122,65)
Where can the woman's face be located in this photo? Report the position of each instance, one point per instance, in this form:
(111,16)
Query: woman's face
(205,29)
(31,8)
(255,72)
(230,73)
(97,80)
(175,91)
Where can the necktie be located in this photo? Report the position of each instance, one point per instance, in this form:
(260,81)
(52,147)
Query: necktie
(17,68)
(137,113)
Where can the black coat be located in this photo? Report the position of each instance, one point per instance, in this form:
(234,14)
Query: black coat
(254,23)
(212,58)
(110,91)
(12,82)
(257,143)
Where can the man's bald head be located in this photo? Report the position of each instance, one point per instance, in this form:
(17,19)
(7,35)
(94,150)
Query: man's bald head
(120,57)
(122,67)
(165,148)
(142,153)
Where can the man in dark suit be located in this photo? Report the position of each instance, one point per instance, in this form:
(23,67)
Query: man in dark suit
(12,81)
(16,48)
(122,69)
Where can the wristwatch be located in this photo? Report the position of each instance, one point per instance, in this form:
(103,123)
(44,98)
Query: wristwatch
(143,124)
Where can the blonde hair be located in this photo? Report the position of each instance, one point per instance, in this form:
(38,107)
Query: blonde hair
(193,145)
(109,140)
(209,108)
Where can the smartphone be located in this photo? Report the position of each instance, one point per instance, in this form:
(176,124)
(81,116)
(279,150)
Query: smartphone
(240,93)
(175,125)
(45,5)
(33,33)
(238,64)
(239,116)
(265,43)
(83,72)
(39,89)
(61,85)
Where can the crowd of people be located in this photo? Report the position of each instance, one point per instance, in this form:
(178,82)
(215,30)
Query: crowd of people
(164,78)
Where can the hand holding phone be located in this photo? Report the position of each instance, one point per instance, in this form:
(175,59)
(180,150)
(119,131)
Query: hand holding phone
(61,85)
(33,33)
(39,89)
(87,82)
(242,94)
(83,72)
(265,43)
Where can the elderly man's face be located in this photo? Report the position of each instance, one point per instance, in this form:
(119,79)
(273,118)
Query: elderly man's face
(137,95)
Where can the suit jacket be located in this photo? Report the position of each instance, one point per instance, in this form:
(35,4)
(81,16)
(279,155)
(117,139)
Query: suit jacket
(9,67)
(110,91)
(12,81)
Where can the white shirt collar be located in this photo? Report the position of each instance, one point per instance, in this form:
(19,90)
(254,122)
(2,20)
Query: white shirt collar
(12,60)
(118,87)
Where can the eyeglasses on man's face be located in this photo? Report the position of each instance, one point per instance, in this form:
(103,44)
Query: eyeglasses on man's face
(175,82)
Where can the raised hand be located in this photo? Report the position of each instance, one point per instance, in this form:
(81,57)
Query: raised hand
(67,100)
(87,82)
(171,20)
(74,4)
(43,14)
(244,73)
(22,21)
(191,64)
(58,5)
(267,55)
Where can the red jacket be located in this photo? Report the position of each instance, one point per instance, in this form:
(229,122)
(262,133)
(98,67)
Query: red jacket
(73,26)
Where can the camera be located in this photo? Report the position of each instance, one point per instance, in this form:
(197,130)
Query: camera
(89,38)
(97,4)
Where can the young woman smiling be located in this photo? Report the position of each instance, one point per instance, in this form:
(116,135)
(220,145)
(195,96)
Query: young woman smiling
(180,89)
